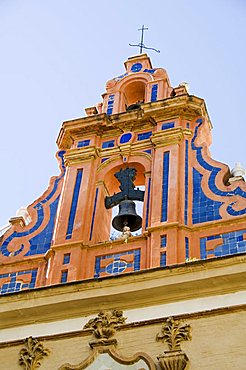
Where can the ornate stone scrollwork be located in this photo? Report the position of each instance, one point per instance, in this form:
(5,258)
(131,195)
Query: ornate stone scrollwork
(104,354)
(104,327)
(173,333)
(31,355)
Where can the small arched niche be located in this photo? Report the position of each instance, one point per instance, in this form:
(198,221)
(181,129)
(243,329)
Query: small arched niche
(133,94)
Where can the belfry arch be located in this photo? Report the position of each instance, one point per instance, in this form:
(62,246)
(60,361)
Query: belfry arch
(133,91)
(107,184)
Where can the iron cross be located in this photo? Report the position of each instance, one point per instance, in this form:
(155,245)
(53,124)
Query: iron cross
(141,44)
(142,37)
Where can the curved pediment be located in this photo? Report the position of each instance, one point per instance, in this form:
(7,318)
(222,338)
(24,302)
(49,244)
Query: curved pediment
(108,359)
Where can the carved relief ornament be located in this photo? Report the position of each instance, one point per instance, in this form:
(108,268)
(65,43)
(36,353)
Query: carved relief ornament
(104,354)
(31,355)
(173,333)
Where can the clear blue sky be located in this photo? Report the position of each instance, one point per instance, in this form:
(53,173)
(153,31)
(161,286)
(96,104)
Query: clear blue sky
(56,56)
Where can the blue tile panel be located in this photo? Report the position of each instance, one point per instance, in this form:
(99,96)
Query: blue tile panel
(125,138)
(83,143)
(163,241)
(229,243)
(104,159)
(147,205)
(108,144)
(213,174)
(94,212)
(149,151)
(118,78)
(149,70)
(154,91)
(74,204)
(186,181)
(167,125)
(110,104)
(64,275)
(66,258)
(144,135)
(136,67)
(14,282)
(41,242)
(118,264)
(165,178)
(203,208)
(163,260)
(187,248)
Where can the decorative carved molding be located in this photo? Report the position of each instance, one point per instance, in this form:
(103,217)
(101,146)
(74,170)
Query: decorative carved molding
(98,359)
(104,327)
(104,354)
(173,360)
(31,355)
(173,333)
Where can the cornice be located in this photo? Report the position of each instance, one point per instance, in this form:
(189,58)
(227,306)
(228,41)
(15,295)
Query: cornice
(78,155)
(169,137)
(128,326)
(186,106)
(202,278)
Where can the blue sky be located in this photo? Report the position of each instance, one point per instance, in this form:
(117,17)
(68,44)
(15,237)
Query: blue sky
(57,55)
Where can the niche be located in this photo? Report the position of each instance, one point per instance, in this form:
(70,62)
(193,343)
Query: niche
(134,94)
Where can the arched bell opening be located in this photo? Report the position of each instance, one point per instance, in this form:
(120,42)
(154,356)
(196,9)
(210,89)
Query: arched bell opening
(111,182)
(139,209)
(133,95)
(108,186)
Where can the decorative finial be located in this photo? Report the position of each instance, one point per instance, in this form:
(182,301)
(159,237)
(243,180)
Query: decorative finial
(141,44)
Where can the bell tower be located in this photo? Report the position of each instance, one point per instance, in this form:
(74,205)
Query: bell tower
(146,141)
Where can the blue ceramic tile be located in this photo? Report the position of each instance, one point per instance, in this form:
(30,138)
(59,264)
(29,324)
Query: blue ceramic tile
(94,212)
(163,241)
(147,205)
(165,178)
(125,138)
(74,203)
(230,244)
(15,286)
(83,143)
(66,258)
(186,181)
(154,91)
(64,276)
(144,135)
(108,144)
(118,265)
(187,248)
(110,104)
(163,261)
(167,125)
(136,67)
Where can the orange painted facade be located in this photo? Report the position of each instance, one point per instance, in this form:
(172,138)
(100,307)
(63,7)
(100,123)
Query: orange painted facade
(193,207)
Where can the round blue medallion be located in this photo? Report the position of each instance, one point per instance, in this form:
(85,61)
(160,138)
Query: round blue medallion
(125,138)
(136,67)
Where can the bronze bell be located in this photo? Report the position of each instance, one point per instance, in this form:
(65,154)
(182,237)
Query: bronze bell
(127,217)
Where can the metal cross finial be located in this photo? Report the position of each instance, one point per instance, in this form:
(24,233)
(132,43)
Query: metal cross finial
(141,44)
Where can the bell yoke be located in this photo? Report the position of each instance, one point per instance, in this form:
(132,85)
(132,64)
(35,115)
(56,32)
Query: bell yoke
(127,209)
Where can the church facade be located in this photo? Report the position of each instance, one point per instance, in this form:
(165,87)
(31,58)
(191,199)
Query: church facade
(172,295)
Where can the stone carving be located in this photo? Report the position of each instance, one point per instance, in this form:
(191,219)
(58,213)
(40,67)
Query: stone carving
(173,333)
(104,326)
(126,233)
(105,358)
(31,355)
